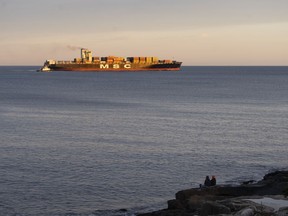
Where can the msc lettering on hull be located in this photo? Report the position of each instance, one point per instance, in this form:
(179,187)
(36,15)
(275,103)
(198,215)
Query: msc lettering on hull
(114,66)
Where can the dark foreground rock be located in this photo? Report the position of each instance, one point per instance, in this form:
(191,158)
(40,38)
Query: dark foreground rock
(229,199)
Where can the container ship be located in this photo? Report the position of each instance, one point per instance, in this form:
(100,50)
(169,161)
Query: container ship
(87,62)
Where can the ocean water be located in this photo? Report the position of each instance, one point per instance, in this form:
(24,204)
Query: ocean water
(95,143)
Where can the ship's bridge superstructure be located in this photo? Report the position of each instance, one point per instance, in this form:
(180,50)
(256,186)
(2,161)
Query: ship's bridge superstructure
(86,55)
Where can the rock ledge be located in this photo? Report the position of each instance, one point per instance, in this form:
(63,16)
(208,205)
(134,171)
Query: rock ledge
(230,199)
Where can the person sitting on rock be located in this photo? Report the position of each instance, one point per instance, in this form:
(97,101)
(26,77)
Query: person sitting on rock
(213,181)
(207,182)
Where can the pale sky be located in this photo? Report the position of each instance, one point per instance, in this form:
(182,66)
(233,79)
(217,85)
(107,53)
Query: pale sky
(196,32)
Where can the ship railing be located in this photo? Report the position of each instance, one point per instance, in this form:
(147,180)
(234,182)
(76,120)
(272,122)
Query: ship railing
(65,62)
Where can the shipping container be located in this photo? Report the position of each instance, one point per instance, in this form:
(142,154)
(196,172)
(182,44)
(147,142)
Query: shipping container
(77,60)
(148,59)
(155,59)
(95,58)
(130,59)
(136,60)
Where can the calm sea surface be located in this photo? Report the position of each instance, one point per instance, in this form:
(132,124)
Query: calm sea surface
(93,143)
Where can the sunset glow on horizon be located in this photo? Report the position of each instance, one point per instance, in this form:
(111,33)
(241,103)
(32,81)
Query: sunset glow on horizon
(218,32)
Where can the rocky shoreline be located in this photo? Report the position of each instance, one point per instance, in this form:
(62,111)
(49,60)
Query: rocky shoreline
(265,197)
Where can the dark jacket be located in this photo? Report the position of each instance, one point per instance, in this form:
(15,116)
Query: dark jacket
(213,181)
(207,182)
